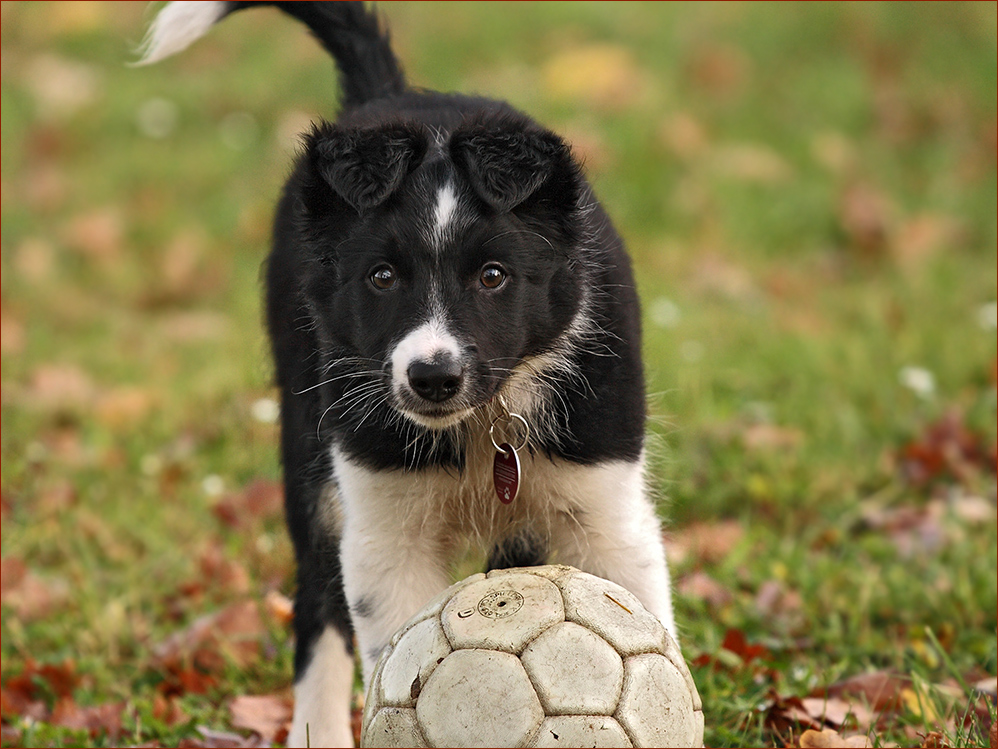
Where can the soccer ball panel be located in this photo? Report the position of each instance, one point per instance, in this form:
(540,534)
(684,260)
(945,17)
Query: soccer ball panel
(672,652)
(580,731)
(411,662)
(574,671)
(479,698)
(504,613)
(656,708)
(436,605)
(394,727)
(612,612)
(549,571)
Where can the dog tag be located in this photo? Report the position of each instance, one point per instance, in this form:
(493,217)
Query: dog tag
(506,473)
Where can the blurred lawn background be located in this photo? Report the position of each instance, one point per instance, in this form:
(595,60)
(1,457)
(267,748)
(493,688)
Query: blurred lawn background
(809,195)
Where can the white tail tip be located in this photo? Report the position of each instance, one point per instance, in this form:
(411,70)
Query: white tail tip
(176,27)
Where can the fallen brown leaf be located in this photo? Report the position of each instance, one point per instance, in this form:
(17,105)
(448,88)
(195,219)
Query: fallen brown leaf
(11,736)
(60,387)
(30,596)
(194,326)
(774,598)
(787,715)
(124,406)
(98,236)
(934,740)
(35,259)
(720,70)
(168,710)
(11,334)
(702,586)
(22,695)
(95,720)
(763,437)
(232,634)
(880,690)
(706,543)
(924,236)
(268,715)
(683,135)
(867,218)
(45,187)
(212,739)
(224,573)
(260,499)
(715,274)
(946,449)
(750,162)
(61,85)
(836,711)
(280,607)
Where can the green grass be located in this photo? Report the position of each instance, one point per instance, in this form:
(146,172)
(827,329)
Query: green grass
(741,150)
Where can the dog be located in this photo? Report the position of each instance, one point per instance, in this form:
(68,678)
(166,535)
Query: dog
(456,334)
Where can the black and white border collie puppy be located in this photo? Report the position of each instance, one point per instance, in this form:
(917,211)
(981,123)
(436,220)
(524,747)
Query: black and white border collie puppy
(440,270)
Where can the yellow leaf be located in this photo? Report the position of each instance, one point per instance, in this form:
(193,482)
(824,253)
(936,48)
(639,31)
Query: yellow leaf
(603,75)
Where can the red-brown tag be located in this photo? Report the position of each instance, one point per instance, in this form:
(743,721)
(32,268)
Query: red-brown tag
(506,473)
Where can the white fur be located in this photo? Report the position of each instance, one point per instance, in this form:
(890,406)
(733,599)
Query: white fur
(403,529)
(323,695)
(387,557)
(427,342)
(177,26)
(614,533)
(444,213)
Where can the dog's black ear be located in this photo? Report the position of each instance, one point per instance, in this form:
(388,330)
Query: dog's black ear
(365,166)
(507,162)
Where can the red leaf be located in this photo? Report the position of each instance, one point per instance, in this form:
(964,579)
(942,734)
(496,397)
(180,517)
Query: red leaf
(22,695)
(734,640)
(62,678)
(947,449)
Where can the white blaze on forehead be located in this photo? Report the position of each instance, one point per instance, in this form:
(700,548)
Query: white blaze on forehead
(444,211)
(427,342)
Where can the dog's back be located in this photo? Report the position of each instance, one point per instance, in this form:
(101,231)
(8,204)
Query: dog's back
(444,295)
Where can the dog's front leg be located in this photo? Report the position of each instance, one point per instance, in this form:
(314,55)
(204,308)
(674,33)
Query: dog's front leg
(393,557)
(609,528)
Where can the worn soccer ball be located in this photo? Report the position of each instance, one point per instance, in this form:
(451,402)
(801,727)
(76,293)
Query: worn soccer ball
(538,656)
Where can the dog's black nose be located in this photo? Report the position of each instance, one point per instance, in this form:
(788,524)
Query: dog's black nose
(436,380)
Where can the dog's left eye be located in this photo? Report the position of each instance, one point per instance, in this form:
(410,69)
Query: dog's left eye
(384,277)
(493,276)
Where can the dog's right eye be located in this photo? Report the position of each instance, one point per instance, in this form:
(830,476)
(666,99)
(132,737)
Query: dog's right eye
(384,278)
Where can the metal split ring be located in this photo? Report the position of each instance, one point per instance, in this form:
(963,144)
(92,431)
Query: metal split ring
(509,417)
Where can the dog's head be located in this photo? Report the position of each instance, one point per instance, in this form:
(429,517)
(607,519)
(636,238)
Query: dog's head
(443,265)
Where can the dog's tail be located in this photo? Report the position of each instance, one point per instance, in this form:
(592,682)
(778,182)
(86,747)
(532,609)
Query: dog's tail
(350,32)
